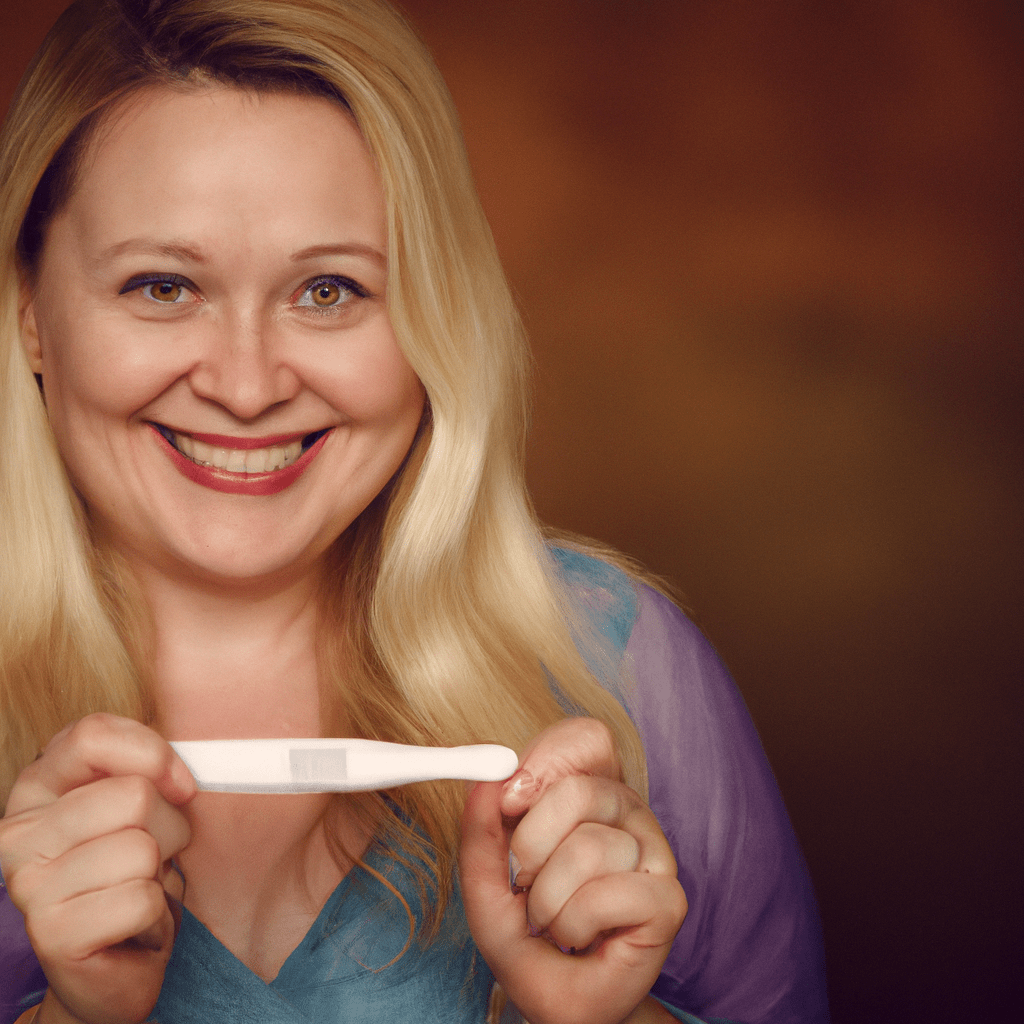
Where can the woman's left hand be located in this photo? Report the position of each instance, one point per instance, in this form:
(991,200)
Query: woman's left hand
(597,905)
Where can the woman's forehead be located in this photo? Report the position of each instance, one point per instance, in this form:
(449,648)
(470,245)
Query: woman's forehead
(228,161)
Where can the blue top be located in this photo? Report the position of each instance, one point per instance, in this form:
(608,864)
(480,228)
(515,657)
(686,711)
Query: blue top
(349,968)
(749,949)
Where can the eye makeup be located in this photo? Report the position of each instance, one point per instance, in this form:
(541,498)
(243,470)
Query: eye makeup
(175,284)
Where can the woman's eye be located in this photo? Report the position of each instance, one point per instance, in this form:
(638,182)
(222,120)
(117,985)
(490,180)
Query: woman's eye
(169,290)
(165,291)
(329,293)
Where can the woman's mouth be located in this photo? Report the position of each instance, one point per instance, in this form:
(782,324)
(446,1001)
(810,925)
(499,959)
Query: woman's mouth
(238,465)
(228,459)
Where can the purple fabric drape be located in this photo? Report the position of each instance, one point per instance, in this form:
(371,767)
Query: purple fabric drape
(750,948)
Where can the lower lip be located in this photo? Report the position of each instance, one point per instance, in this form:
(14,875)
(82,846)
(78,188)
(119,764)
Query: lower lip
(255,484)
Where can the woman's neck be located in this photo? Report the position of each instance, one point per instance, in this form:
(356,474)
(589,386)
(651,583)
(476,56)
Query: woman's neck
(233,662)
(242,664)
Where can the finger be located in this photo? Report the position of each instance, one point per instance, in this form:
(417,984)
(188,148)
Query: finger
(173,880)
(575,746)
(101,745)
(80,927)
(495,915)
(111,805)
(103,863)
(590,851)
(577,799)
(644,911)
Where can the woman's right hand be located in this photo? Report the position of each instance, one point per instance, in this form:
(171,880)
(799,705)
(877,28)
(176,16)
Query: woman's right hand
(85,847)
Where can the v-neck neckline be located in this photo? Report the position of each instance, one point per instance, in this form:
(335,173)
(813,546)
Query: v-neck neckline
(196,930)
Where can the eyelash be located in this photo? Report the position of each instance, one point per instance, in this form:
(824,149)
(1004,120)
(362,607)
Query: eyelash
(144,280)
(344,284)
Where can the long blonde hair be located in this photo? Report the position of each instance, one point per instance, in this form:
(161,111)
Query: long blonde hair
(443,619)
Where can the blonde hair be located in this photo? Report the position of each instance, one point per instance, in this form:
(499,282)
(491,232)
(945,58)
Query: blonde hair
(443,618)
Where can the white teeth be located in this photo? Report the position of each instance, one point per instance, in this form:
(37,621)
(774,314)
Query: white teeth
(256,461)
(236,460)
(201,451)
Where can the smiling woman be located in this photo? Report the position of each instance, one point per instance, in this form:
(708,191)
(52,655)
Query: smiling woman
(187,332)
(263,408)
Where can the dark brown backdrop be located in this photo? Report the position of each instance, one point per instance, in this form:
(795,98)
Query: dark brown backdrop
(770,257)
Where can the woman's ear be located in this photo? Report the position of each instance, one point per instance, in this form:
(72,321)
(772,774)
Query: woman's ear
(29,328)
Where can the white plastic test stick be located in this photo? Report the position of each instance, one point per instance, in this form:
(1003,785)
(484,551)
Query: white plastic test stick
(335,765)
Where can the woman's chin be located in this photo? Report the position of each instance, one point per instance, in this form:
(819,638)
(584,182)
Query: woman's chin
(232,563)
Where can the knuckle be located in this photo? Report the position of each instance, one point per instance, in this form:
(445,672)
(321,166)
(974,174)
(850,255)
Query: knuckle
(573,791)
(588,797)
(661,863)
(588,845)
(138,797)
(598,849)
(151,900)
(595,740)
(144,899)
(677,903)
(91,735)
(143,852)
(628,851)
(92,728)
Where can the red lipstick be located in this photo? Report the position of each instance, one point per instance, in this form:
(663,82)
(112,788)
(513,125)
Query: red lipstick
(254,484)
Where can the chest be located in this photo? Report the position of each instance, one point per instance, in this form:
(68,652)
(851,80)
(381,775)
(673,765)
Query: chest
(259,868)
(358,964)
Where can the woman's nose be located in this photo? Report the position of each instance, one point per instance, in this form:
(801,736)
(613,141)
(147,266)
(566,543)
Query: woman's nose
(243,368)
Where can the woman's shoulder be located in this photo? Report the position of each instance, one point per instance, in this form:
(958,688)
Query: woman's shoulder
(602,591)
(621,600)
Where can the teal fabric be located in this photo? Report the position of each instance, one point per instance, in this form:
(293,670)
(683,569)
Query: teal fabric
(606,606)
(605,595)
(344,970)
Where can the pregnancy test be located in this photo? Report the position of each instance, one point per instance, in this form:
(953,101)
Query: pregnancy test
(335,765)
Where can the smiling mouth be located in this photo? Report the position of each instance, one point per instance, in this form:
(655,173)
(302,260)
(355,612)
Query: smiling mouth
(239,460)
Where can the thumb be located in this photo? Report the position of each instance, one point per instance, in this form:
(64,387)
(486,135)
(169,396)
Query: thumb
(496,916)
(574,746)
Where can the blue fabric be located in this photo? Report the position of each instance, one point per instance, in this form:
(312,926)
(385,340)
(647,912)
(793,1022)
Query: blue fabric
(349,968)
(604,594)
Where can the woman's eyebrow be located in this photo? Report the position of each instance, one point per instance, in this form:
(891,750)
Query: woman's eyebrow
(367,252)
(151,247)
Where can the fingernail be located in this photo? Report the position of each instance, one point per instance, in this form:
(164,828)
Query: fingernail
(535,932)
(567,950)
(514,867)
(522,784)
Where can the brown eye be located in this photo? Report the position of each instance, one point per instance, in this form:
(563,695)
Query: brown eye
(165,291)
(330,293)
(326,293)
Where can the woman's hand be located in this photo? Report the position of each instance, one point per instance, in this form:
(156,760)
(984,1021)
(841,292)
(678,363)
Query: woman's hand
(85,846)
(597,903)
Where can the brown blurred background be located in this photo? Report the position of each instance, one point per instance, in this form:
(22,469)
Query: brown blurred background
(769,254)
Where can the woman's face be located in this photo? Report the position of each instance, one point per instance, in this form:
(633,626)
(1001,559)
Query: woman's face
(210,324)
